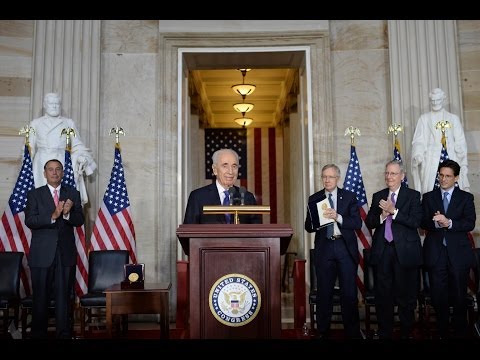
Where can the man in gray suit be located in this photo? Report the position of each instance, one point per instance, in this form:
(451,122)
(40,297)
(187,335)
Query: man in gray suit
(52,211)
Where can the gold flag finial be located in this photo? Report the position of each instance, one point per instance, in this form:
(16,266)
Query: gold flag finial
(117,131)
(27,129)
(68,132)
(443,125)
(395,128)
(352,131)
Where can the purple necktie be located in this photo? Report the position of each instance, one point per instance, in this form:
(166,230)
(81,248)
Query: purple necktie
(226,201)
(388,223)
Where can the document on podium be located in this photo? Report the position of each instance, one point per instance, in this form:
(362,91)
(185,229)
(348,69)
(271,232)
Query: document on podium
(316,210)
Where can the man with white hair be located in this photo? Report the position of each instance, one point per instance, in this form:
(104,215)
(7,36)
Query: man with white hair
(427,145)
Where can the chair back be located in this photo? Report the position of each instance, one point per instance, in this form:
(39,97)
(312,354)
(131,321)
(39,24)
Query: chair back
(10,269)
(313,274)
(368,277)
(476,271)
(105,268)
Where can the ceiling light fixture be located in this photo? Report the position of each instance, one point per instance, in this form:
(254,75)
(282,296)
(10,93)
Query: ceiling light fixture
(244,107)
(244,89)
(243,121)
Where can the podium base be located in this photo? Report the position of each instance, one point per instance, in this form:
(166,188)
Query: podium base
(125,285)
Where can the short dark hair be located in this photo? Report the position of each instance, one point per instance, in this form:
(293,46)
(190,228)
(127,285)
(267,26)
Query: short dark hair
(54,160)
(450,164)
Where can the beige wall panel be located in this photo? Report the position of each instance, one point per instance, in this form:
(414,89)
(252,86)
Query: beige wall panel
(471,100)
(129,36)
(14,86)
(14,113)
(470,80)
(472,120)
(358,34)
(16,28)
(360,97)
(14,46)
(15,66)
(128,100)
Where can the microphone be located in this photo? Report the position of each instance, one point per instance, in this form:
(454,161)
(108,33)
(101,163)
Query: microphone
(243,190)
(231,193)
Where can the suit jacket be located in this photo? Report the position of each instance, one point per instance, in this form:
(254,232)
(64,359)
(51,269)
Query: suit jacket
(208,195)
(462,212)
(405,226)
(347,206)
(47,236)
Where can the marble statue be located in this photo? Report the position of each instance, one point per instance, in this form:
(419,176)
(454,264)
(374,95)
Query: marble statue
(47,142)
(427,145)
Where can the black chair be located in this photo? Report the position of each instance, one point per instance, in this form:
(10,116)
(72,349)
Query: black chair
(312,297)
(105,268)
(26,305)
(369,295)
(10,269)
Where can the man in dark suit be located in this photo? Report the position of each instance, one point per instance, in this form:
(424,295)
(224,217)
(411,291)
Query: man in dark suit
(396,253)
(51,213)
(225,165)
(336,253)
(448,216)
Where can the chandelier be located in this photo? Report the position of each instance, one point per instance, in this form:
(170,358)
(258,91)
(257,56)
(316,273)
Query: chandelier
(244,107)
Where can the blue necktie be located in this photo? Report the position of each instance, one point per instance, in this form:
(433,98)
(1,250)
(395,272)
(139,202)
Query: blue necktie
(445,207)
(226,201)
(330,226)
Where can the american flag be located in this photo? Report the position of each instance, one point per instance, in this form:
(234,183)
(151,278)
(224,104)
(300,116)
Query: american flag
(81,276)
(113,228)
(14,234)
(354,182)
(261,163)
(396,156)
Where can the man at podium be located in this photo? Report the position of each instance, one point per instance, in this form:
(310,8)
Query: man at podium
(225,164)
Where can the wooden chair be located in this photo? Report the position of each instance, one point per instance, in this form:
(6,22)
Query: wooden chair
(105,268)
(10,269)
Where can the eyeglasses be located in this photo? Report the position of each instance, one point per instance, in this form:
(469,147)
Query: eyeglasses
(391,173)
(441,176)
(324,177)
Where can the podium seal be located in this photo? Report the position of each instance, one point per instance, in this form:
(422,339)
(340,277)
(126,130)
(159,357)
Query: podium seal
(235,300)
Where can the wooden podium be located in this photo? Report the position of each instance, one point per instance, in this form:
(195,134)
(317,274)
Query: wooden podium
(234,281)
